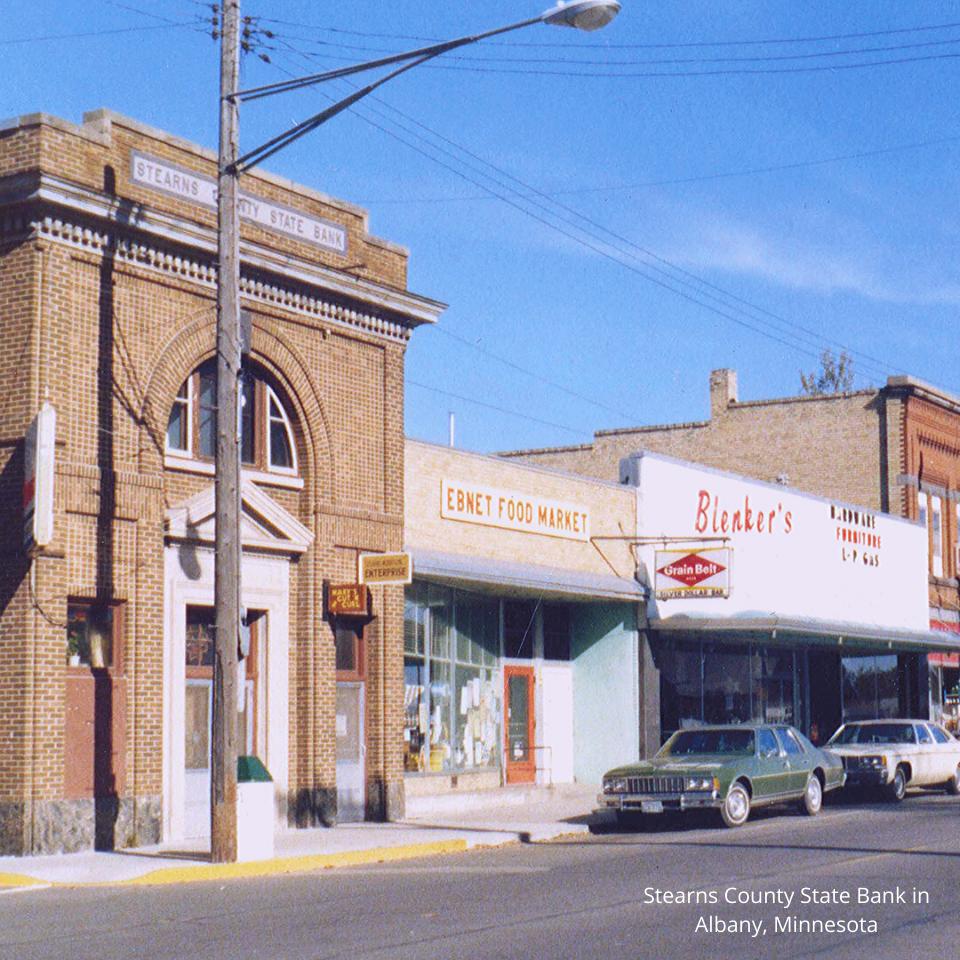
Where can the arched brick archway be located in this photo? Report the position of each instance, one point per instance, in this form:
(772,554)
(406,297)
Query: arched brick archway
(190,347)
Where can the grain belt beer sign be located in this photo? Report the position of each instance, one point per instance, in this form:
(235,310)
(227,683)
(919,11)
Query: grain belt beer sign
(693,572)
(385,568)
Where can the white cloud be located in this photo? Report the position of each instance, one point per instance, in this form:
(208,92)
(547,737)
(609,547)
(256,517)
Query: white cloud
(820,255)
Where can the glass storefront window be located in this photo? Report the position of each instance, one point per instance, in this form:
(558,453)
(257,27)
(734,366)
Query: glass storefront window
(416,715)
(681,700)
(556,631)
(519,628)
(452,686)
(441,700)
(725,683)
(773,674)
(870,687)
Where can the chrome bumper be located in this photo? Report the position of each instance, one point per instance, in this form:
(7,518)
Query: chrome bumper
(867,777)
(634,802)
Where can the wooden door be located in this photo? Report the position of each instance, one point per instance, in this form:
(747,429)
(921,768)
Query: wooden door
(519,724)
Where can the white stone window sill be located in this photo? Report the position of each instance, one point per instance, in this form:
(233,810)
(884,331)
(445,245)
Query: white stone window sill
(173,461)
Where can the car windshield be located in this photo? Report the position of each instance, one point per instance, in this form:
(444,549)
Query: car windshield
(687,742)
(875,733)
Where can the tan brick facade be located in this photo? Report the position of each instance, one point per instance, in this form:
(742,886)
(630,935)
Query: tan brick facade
(870,447)
(108,305)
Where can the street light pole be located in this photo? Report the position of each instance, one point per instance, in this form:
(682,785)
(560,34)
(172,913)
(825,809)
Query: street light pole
(580,14)
(223,753)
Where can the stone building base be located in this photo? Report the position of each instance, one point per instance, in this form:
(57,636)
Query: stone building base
(69,826)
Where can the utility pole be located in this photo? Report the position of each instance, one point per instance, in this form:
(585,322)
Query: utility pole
(223,748)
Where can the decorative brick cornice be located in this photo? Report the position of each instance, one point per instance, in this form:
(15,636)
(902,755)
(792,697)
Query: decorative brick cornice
(149,257)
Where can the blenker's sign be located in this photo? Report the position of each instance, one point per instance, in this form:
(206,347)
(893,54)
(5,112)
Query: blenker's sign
(510,510)
(195,188)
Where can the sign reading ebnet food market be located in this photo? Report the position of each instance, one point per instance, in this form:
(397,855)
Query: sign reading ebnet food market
(193,187)
(511,510)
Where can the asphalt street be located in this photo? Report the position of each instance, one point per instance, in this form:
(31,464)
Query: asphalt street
(671,890)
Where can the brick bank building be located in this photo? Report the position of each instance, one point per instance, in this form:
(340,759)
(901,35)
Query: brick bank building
(107,315)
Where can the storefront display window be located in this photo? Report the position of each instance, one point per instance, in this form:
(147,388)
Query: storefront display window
(452,685)
(871,687)
(726,683)
(556,631)
(773,673)
(519,628)
(681,687)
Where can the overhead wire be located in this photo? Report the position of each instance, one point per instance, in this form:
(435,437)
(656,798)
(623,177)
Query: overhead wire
(608,62)
(580,44)
(799,343)
(646,252)
(490,406)
(681,181)
(674,74)
(90,34)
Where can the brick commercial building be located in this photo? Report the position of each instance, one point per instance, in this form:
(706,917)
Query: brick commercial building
(559,625)
(107,275)
(895,449)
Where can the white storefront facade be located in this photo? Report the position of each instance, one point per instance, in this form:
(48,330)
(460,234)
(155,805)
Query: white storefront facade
(818,615)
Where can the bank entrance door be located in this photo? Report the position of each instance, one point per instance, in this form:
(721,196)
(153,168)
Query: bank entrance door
(351,779)
(518,706)
(198,710)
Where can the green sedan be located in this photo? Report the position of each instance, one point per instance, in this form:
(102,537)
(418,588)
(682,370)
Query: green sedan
(731,769)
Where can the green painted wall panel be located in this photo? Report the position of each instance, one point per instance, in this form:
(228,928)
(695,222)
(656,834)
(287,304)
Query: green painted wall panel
(606,724)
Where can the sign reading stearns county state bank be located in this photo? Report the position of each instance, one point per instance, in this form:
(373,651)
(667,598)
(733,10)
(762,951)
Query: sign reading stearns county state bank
(347,599)
(194,188)
(510,510)
(385,568)
(692,572)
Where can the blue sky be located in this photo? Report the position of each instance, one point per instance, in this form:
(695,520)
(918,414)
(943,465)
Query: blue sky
(611,215)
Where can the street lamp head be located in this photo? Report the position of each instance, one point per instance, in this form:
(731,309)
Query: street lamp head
(582,14)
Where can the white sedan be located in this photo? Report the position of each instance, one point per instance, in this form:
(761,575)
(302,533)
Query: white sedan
(894,754)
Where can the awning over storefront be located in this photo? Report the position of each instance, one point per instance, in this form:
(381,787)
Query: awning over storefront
(804,630)
(508,577)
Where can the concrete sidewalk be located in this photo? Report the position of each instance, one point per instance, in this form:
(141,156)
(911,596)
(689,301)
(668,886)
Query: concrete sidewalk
(440,825)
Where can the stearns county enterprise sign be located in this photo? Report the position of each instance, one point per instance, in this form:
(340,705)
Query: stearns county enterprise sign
(194,188)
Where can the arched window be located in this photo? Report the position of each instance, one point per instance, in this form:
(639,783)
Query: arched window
(266,436)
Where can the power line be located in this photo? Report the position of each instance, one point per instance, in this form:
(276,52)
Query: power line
(607,62)
(682,74)
(491,406)
(531,373)
(863,35)
(101,33)
(801,343)
(646,252)
(680,181)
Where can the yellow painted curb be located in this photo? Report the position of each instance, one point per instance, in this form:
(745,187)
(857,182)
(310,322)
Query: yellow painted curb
(265,868)
(19,880)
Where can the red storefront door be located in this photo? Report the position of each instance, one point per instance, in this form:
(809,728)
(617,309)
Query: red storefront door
(519,724)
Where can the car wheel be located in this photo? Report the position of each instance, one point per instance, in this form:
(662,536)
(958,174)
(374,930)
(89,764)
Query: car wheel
(812,797)
(953,784)
(897,789)
(736,807)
